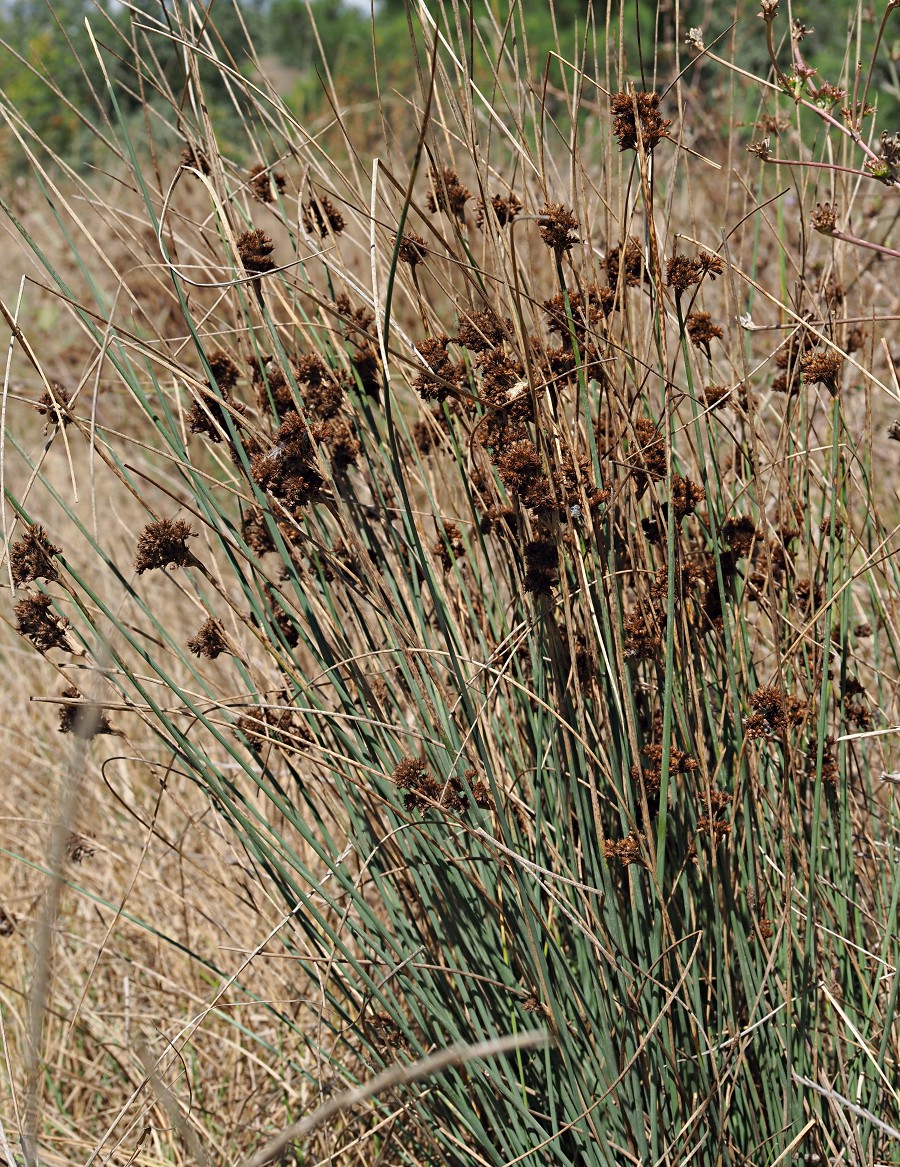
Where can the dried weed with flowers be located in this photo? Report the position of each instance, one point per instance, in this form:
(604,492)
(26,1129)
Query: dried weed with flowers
(492,524)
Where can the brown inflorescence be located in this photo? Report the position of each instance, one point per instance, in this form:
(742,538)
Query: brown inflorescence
(36,620)
(256,532)
(640,109)
(503,384)
(450,546)
(265,184)
(287,470)
(822,368)
(208,415)
(541,567)
(224,371)
(558,229)
(642,640)
(321,217)
(79,847)
(682,272)
(162,543)
(209,640)
(448,193)
(412,249)
(54,404)
(423,792)
(195,158)
(483,331)
(627,851)
(626,262)
(774,712)
(269,726)
(323,394)
(578,313)
(686,496)
(716,396)
(824,218)
(343,444)
(31,557)
(701,330)
(271,386)
(650,453)
(432,383)
(522,473)
(84,721)
(717,829)
(255,252)
(679,763)
(739,534)
(505,209)
(789,358)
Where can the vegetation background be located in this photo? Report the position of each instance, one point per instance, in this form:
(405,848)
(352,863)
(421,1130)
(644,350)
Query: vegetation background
(450,521)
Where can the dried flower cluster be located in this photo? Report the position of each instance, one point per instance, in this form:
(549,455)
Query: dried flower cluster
(36,620)
(209,640)
(637,121)
(448,194)
(774,712)
(558,228)
(265,184)
(626,851)
(423,792)
(31,557)
(83,720)
(321,217)
(162,543)
(504,210)
(683,272)
(54,404)
(255,252)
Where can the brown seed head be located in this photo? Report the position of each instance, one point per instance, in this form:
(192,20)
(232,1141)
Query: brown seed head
(255,252)
(824,218)
(162,543)
(209,640)
(822,368)
(505,209)
(448,194)
(558,228)
(84,721)
(30,557)
(541,567)
(36,620)
(265,184)
(701,329)
(412,250)
(54,404)
(641,109)
(321,217)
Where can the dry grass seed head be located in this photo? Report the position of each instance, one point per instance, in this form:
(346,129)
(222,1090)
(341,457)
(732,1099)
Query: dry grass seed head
(504,210)
(559,228)
(36,620)
(321,217)
(448,193)
(265,184)
(84,721)
(54,404)
(162,543)
(209,640)
(413,249)
(255,249)
(640,109)
(31,557)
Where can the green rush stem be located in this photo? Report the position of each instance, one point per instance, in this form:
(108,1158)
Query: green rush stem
(821,734)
